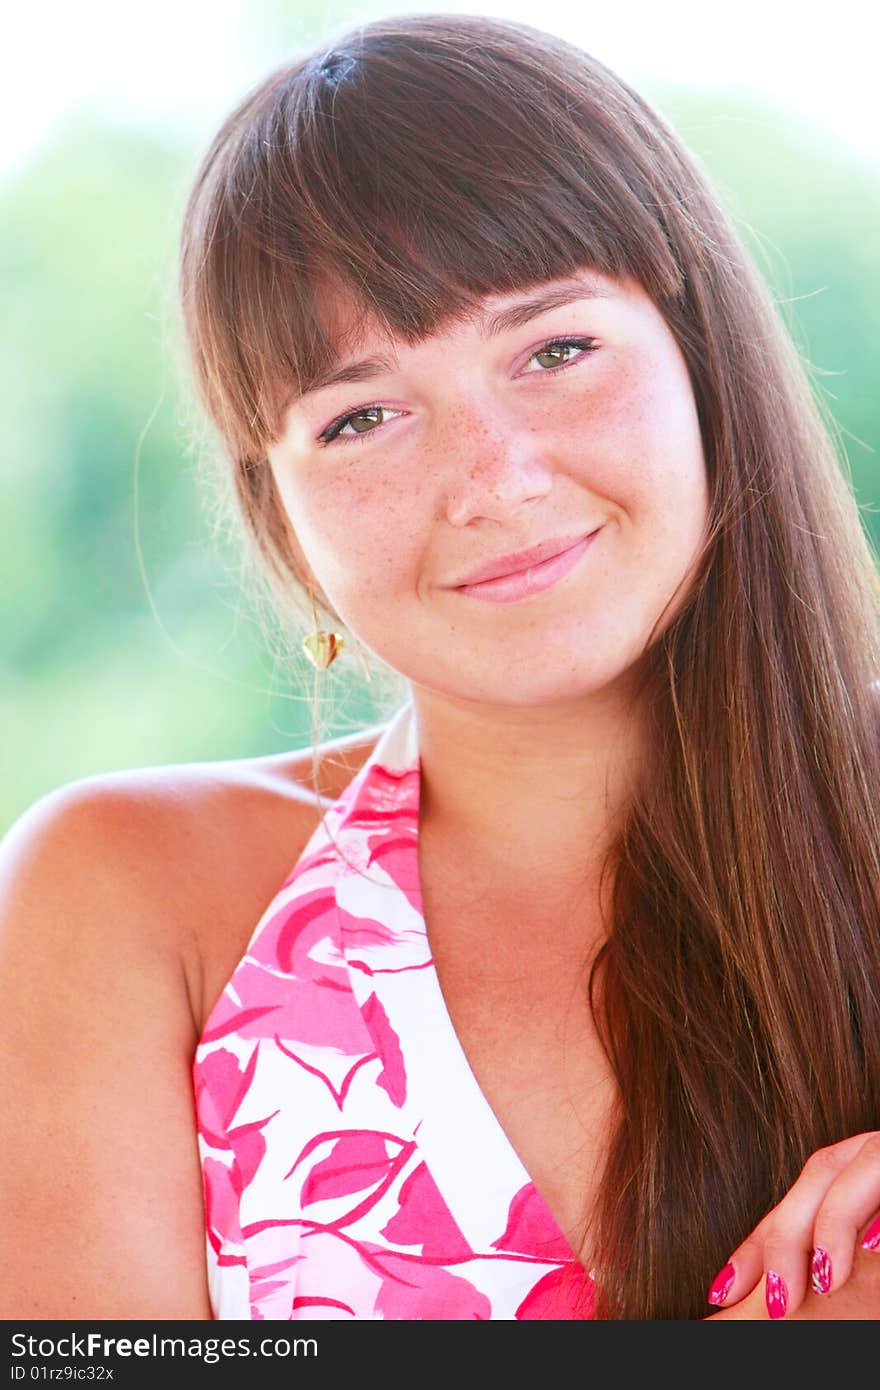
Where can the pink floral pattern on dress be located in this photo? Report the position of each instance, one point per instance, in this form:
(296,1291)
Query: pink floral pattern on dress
(351,1166)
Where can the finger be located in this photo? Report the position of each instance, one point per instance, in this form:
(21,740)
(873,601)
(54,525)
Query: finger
(739,1275)
(817,1222)
(871,1238)
(781,1245)
(850,1203)
(800,1245)
(785,1273)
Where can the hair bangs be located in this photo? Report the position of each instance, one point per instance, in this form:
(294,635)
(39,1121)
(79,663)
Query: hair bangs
(372,180)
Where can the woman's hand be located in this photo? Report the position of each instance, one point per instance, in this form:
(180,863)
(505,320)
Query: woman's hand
(807,1244)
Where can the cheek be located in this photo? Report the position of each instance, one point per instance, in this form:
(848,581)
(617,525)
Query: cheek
(668,489)
(352,530)
(637,440)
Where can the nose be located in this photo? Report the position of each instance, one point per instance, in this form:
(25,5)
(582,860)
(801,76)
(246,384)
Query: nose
(498,463)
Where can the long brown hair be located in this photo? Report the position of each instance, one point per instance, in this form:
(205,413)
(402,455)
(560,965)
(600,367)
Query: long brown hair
(422,162)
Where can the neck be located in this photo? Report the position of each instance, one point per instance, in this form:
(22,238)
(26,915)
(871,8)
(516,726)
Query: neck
(524,802)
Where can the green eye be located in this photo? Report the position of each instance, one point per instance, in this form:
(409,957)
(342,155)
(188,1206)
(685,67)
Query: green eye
(557,347)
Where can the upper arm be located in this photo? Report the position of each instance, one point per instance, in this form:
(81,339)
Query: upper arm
(100,1200)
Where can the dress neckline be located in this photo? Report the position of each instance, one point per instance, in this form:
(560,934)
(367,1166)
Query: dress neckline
(473,1160)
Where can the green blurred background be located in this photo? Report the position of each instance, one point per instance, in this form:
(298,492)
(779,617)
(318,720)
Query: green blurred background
(126,635)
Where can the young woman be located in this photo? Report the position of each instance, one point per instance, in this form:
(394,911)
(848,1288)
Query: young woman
(558,993)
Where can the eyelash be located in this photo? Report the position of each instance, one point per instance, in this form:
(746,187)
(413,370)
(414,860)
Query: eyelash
(331,434)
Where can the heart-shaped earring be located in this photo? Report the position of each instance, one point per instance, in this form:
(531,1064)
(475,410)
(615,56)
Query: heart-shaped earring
(322,648)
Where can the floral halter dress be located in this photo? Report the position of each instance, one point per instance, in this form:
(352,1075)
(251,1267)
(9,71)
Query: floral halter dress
(351,1165)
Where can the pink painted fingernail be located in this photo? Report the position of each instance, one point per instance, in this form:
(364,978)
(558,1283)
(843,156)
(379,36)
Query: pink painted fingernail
(820,1270)
(871,1238)
(721,1284)
(776,1294)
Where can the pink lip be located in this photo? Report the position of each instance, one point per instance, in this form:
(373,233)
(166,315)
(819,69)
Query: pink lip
(519,560)
(510,588)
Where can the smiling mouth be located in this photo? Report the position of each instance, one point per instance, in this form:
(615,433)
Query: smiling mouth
(533,579)
(522,560)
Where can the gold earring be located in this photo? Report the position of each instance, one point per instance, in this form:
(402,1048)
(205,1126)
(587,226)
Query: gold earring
(322,648)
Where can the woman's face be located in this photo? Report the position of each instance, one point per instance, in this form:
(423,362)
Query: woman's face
(480,441)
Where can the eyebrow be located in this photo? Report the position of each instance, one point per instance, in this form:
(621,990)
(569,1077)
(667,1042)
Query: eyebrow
(503,321)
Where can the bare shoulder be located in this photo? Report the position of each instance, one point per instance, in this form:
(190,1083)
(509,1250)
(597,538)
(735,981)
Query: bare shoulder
(336,762)
(249,821)
(125,902)
(189,854)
